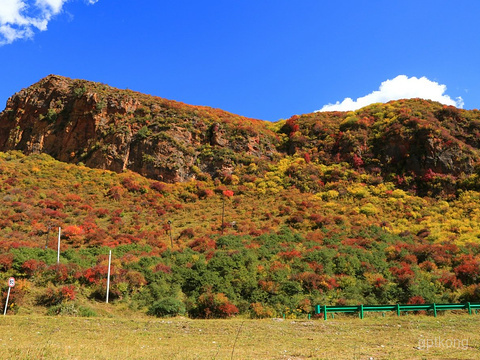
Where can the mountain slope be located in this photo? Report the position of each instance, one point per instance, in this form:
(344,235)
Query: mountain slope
(373,206)
(419,145)
(410,142)
(102,127)
(279,251)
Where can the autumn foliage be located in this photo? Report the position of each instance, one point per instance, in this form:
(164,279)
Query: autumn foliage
(345,208)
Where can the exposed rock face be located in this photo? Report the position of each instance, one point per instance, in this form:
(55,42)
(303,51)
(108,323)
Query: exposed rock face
(79,121)
(102,127)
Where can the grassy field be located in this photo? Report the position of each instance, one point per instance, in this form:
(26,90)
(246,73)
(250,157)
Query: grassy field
(449,336)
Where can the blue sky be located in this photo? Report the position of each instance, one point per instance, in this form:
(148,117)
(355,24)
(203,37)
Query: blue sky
(266,59)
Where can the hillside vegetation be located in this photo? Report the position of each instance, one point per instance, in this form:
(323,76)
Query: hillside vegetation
(373,206)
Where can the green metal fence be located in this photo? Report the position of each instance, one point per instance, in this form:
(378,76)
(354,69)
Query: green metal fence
(398,308)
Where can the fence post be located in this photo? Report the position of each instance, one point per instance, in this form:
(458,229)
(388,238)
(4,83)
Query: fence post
(398,309)
(324,312)
(361,311)
(434,310)
(469,308)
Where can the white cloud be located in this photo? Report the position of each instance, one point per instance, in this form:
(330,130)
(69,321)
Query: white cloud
(19,19)
(401,87)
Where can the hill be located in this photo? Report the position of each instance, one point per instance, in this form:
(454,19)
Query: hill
(413,143)
(80,121)
(365,207)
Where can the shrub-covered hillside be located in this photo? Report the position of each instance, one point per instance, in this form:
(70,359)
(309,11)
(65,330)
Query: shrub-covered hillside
(418,145)
(282,250)
(212,214)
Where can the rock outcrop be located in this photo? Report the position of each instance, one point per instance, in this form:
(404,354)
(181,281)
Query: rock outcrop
(78,121)
(102,127)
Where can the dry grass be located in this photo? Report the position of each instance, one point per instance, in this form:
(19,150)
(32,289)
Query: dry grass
(41,337)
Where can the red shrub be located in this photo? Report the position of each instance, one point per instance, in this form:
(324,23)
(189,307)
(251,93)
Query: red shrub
(428,266)
(260,311)
(404,273)
(72,230)
(115,193)
(52,204)
(291,125)
(316,267)
(380,281)
(101,212)
(162,268)
(73,198)
(307,157)
(55,296)
(95,274)
(411,259)
(188,233)
(416,300)
(203,244)
(205,193)
(312,281)
(50,213)
(469,269)
(62,272)
(228,193)
(68,292)
(449,280)
(357,161)
(85,207)
(289,255)
(131,185)
(31,266)
(158,186)
(133,278)
(268,286)
(295,219)
(212,305)
(6,261)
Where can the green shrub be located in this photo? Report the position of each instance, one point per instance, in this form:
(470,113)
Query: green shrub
(85,311)
(167,307)
(62,309)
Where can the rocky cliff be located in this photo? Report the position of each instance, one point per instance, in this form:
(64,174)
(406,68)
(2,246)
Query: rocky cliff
(102,127)
(78,121)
